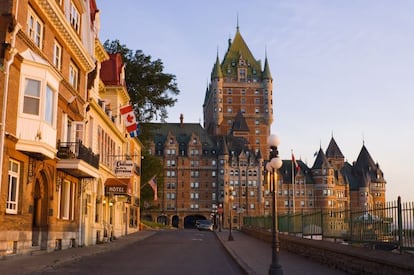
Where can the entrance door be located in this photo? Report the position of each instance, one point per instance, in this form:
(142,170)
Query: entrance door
(39,221)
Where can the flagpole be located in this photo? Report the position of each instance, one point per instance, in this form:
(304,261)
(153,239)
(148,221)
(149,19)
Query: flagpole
(293,183)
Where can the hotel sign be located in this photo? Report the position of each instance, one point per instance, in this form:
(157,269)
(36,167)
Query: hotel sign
(124,168)
(116,189)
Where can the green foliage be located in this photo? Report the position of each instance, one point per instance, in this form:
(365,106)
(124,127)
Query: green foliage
(154,224)
(150,89)
(151,166)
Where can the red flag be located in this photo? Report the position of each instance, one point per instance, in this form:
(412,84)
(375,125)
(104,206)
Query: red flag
(153,183)
(295,163)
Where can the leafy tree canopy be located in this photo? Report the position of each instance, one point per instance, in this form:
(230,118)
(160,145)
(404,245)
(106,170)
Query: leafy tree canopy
(151,166)
(150,89)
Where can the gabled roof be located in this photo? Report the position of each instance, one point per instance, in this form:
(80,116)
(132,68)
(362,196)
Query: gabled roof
(321,160)
(182,133)
(240,123)
(364,160)
(333,150)
(286,171)
(112,70)
(232,146)
(366,169)
(239,49)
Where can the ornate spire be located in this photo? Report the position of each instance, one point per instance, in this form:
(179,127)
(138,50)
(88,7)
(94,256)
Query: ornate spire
(333,150)
(237,28)
(217,72)
(266,71)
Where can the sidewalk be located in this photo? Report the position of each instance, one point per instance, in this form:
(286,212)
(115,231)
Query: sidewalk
(27,264)
(255,256)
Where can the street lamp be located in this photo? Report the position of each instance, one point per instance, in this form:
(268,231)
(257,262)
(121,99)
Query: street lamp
(231,198)
(272,166)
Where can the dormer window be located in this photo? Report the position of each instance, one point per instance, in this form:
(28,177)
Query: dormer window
(242,74)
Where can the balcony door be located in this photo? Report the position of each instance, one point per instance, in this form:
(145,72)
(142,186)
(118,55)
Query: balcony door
(73,132)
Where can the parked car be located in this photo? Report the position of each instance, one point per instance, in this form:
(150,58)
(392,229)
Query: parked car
(204,225)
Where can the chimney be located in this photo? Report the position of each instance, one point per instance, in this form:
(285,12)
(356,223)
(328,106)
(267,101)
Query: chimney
(181,120)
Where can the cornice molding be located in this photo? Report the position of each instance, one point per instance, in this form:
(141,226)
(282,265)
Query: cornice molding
(67,34)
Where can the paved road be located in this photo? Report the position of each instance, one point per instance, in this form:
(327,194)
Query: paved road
(167,252)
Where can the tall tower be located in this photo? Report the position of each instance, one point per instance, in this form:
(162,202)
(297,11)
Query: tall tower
(240,93)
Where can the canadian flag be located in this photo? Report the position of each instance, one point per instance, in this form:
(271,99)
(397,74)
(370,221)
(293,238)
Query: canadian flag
(130,120)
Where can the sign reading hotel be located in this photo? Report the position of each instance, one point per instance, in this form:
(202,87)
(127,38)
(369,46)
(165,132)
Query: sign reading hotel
(116,189)
(124,168)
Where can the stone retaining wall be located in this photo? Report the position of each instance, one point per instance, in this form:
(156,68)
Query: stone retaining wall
(351,259)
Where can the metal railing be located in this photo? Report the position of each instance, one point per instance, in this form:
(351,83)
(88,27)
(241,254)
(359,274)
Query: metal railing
(76,150)
(388,227)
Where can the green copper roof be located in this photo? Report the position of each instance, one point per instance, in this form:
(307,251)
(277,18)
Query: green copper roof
(217,72)
(266,71)
(237,50)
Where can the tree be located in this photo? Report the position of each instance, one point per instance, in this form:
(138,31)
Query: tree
(150,89)
(151,166)
(151,92)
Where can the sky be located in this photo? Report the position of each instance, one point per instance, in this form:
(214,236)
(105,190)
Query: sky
(342,69)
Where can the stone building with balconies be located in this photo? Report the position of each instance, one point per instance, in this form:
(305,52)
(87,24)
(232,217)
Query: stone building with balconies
(46,160)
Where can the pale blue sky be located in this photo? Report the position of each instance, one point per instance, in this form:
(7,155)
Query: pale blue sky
(341,68)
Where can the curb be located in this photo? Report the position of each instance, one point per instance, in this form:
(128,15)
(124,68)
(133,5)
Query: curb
(243,265)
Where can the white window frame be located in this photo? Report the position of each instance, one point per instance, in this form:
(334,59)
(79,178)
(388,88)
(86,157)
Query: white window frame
(66,200)
(44,98)
(57,55)
(74,17)
(13,187)
(31,97)
(73,76)
(48,103)
(35,28)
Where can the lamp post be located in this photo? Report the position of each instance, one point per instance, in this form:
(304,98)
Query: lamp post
(231,198)
(272,166)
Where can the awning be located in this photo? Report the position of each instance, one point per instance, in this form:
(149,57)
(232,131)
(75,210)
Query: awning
(117,186)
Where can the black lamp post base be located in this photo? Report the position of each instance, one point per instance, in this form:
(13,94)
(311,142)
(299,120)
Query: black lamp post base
(230,238)
(275,270)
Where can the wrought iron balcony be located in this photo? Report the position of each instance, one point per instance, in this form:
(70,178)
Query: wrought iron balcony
(72,157)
